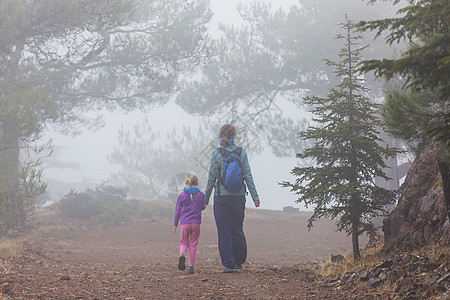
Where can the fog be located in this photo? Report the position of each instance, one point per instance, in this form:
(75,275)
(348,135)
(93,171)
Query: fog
(106,105)
(81,160)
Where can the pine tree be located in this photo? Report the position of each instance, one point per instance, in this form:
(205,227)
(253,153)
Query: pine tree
(346,152)
(425,65)
(426,68)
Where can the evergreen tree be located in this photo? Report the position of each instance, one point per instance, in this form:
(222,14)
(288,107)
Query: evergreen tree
(426,68)
(426,64)
(345,150)
(408,116)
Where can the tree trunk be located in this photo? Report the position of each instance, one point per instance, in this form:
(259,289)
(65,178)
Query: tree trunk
(11,208)
(355,242)
(12,211)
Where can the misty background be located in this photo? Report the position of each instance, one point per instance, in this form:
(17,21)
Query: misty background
(83,160)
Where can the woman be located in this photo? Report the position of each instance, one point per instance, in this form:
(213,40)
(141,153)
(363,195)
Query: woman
(229,203)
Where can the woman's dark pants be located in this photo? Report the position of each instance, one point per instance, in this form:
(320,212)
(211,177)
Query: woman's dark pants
(229,216)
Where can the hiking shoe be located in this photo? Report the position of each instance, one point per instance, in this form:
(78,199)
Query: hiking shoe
(228,270)
(190,270)
(181,262)
(238,267)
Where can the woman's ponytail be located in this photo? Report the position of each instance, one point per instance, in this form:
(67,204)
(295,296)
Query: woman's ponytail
(224,141)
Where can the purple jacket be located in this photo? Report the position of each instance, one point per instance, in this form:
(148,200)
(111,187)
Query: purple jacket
(187,211)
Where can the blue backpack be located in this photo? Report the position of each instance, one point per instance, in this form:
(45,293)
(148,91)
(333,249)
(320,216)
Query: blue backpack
(232,177)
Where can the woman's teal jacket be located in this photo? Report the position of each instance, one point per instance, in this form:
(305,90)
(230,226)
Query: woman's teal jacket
(215,169)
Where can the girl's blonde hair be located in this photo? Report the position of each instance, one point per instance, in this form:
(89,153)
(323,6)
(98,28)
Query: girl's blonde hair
(191,179)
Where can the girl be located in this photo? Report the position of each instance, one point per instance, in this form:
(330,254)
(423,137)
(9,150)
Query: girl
(188,212)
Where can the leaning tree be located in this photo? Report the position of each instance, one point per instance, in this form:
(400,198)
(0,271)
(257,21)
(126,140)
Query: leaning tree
(61,59)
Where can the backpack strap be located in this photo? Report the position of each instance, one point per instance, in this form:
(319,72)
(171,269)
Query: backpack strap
(238,151)
(223,152)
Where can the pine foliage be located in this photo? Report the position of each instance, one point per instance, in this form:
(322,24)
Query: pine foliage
(425,65)
(425,25)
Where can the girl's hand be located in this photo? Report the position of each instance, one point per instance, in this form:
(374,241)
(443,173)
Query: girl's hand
(174,229)
(257,203)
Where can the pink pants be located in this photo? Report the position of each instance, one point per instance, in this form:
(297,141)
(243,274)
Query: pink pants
(189,239)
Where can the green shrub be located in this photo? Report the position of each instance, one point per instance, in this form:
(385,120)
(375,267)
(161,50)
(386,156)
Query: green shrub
(105,217)
(105,204)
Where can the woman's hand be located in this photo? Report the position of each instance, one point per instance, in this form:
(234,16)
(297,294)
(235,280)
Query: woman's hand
(174,229)
(256,203)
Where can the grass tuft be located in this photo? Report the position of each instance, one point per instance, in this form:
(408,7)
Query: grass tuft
(369,257)
(8,248)
(435,252)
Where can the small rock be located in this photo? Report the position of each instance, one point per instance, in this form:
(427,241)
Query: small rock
(363,276)
(396,274)
(387,264)
(377,272)
(204,279)
(64,277)
(290,209)
(337,258)
(375,282)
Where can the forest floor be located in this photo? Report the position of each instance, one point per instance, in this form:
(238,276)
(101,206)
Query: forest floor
(61,258)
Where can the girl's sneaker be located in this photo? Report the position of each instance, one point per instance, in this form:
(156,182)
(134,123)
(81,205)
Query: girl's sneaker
(181,262)
(190,270)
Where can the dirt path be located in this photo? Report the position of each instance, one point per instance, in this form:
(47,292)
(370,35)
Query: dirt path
(64,259)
